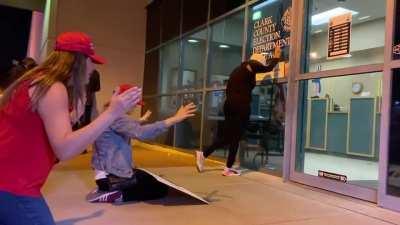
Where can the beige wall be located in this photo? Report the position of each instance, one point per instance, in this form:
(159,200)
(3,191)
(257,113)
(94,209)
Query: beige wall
(118,30)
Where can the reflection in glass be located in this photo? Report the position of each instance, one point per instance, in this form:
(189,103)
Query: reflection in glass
(367,33)
(225,49)
(339,126)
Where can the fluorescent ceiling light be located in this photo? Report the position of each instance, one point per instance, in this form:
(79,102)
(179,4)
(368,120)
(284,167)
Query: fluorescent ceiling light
(256,15)
(324,17)
(313,55)
(224,46)
(192,41)
(261,5)
(364,17)
(318,31)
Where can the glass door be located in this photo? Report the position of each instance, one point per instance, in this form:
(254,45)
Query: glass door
(339,96)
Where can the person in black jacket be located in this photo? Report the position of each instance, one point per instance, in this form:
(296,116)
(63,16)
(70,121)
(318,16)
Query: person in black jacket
(237,108)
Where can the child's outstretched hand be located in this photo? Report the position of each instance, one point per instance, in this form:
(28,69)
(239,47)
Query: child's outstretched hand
(145,117)
(183,113)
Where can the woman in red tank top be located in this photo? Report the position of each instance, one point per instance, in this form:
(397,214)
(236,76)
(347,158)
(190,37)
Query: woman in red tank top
(35,126)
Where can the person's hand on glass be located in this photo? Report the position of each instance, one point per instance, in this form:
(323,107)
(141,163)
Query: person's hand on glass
(278,51)
(145,117)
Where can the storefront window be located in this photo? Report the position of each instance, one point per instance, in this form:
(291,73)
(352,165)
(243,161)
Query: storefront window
(153,26)
(219,7)
(213,120)
(161,108)
(188,131)
(269,26)
(343,34)
(170,67)
(262,145)
(393,182)
(151,73)
(194,53)
(170,19)
(338,128)
(194,14)
(396,38)
(225,49)
(270,23)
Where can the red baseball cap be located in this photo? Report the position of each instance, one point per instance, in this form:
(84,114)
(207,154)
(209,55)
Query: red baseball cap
(78,42)
(124,87)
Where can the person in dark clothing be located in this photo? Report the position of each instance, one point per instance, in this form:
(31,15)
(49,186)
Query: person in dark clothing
(237,108)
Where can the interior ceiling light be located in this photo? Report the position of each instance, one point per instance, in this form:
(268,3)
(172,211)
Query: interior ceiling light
(324,17)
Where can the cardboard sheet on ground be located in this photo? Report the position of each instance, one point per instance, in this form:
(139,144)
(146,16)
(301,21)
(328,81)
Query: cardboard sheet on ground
(175,186)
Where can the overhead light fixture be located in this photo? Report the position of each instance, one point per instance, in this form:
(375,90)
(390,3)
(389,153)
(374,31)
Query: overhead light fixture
(193,41)
(313,55)
(261,5)
(324,17)
(256,15)
(318,31)
(224,46)
(364,17)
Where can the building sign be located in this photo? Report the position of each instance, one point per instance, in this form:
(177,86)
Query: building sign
(339,34)
(270,25)
(332,176)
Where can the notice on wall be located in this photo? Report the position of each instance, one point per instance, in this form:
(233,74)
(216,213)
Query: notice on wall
(339,34)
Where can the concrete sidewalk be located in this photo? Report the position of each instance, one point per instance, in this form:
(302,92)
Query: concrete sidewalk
(251,199)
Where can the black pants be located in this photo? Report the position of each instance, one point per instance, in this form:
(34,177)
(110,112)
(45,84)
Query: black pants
(233,128)
(140,187)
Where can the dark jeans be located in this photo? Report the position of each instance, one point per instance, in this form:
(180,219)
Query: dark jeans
(22,210)
(232,131)
(140,187)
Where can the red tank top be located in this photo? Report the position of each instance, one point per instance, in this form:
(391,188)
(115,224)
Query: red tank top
(26,156)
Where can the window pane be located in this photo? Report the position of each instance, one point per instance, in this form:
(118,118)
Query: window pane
(161,108)
(393,182)
(219,7)
(170,19)
(194,14)
(396,38)
(169,67)
(188,131)
(262,145)
(339,126)
(194,54)
(151,73)
(153,25)
(225,49)
(367,31)
(269,25)
(213,120)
